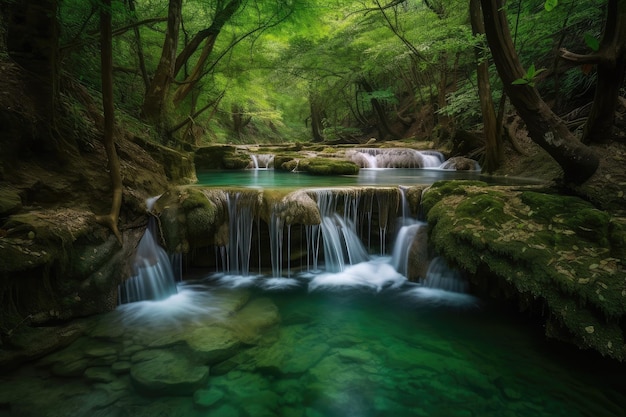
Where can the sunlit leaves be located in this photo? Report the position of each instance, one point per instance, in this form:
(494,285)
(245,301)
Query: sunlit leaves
(592,42)
(549,5)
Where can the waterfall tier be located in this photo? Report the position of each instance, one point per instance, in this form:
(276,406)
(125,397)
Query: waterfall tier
(395,158)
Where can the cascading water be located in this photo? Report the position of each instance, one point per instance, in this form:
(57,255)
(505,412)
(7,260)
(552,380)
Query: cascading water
(262,161)
(395,158)
(235,255)
(441,276)
(153,277)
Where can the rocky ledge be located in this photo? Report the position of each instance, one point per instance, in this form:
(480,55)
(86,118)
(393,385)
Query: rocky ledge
(553,254)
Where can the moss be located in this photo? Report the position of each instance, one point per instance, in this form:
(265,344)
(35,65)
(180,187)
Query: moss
(220,157)
(285,162)
(328,166)
(440,189)
(557,249)
(10,202)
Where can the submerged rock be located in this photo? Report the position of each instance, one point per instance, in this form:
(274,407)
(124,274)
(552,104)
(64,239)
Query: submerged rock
(166,372)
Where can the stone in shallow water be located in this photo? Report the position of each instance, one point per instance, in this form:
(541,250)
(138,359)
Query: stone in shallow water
(213,344)
(294,353)
(73,368)
(120,367)
(99,374)
(255,318)
(165,372)
(206,398)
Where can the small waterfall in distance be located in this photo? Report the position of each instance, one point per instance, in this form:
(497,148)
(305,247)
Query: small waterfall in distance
(395,158)
(153,277)
(262,161)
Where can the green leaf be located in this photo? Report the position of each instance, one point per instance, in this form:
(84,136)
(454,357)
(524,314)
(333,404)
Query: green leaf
(530,73)
(549,5)
(520,81)
(592,42)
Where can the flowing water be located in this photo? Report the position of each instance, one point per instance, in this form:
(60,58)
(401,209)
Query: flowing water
(344,334)
(269,178)
(332,348)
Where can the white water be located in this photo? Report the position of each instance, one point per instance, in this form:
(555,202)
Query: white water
(153,275)
(336,257)
(262,161)
(395,158)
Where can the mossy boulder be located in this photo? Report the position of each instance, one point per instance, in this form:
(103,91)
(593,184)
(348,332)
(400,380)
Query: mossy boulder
(221,157)
(556,251)
(190,217)
(328,166)
(10,202)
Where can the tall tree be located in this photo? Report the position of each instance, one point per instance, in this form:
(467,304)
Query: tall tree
(156,95)
(224,12)
(610,58)
(545,128)
(106,56)
(493,150)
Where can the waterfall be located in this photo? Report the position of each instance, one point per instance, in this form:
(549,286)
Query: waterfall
(235,255)
(441,276)
(153,277)
(394,158)
(337,234)
(402,246)
(262,161)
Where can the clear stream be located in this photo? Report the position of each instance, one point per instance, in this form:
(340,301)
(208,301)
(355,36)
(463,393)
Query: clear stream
(339,350)
(359,342)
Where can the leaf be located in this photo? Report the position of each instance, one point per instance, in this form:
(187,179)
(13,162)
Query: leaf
(520,81)
(549,5)
(592,42)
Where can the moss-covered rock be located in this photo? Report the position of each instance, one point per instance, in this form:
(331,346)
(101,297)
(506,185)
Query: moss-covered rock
(10,202)
(221,157)
(556,250)
(328,166)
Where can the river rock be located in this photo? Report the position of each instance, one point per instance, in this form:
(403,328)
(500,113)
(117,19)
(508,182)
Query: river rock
(254,319)
(205,398)
(213,344)
(165,372)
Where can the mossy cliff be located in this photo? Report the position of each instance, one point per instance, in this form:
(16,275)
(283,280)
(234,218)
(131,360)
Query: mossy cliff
(557,254)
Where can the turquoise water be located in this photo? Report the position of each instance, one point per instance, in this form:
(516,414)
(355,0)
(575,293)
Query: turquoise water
(256,346)
(269,178)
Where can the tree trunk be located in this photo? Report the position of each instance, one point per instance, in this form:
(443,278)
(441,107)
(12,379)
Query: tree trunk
(544,127)
(316,119)
(383,125)
(208,35)
(140,56)
(611,64)
(493,150)
(106,54)
(154,100)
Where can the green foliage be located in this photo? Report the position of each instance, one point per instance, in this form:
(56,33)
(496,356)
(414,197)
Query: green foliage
(271,58)
(529,77)
(550,5)
(592,42)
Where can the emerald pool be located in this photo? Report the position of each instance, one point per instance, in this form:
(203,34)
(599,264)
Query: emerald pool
(228,346)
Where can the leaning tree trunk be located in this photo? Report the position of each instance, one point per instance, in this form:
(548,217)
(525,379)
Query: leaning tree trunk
(493,150)
(544,127)
(611,66)
(156,94)
(210,36)
(106,55)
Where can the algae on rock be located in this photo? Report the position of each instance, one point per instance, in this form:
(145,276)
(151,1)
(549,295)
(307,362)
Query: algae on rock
(556,250)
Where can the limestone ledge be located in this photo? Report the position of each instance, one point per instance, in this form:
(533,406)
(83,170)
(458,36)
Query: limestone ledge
(551,252)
